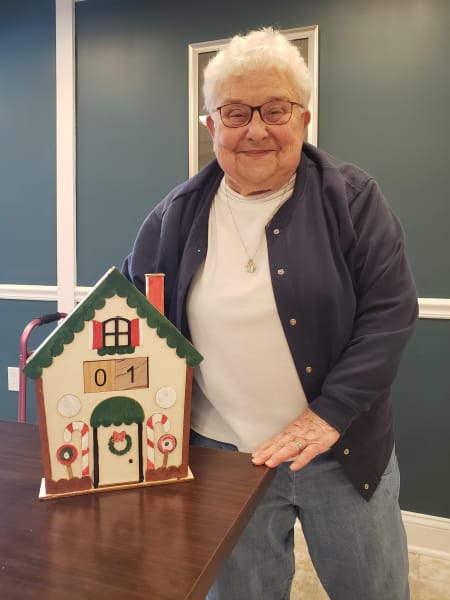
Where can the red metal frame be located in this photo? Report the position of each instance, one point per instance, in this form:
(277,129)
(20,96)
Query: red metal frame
(24,354)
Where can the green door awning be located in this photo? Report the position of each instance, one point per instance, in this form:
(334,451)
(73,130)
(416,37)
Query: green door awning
(116,411)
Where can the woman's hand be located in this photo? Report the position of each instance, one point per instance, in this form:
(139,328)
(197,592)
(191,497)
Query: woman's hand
(303,439)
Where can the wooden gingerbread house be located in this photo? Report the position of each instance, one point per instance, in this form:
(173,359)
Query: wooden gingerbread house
(113,391)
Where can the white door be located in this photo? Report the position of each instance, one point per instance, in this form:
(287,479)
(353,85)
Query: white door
(118,454)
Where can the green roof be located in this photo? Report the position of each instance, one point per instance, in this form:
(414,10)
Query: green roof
(117,410)
(111,284)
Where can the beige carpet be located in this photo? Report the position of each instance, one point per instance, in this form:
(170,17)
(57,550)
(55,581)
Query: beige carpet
(429,577)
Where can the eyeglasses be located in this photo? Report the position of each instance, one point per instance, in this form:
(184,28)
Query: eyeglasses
(275,112)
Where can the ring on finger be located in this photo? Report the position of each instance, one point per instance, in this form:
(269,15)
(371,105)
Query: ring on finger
(300,445)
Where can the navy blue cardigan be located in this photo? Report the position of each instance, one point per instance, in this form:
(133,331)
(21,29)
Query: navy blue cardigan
(344,294)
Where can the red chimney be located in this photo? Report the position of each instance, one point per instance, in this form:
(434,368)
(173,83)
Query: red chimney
(154,290)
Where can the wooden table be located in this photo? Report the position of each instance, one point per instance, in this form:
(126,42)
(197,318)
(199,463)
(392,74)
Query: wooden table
(165,542)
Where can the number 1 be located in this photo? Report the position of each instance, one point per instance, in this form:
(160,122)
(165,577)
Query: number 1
(131,370)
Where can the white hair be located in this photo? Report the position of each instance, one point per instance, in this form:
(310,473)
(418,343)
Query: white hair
(263,49)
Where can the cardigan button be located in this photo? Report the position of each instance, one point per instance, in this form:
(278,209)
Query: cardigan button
(366,486)
(276,231)
(280,271)
(308,369)
(293,322)
(346,452)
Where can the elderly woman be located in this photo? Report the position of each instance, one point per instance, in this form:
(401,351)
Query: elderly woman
(287,269)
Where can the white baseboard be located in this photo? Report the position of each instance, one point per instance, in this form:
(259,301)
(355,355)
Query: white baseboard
(427,534)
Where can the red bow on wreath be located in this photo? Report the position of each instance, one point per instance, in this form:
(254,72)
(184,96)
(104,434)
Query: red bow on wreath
(118,437)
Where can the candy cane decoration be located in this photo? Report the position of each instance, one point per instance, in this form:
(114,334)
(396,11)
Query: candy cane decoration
(151,422)
(84,429)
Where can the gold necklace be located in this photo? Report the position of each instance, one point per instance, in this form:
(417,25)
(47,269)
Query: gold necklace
(251,265)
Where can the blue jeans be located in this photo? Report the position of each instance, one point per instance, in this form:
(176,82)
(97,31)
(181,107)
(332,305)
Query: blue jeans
(358,548)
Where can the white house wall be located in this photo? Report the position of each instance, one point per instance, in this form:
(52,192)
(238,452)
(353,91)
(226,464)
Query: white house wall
(65,377)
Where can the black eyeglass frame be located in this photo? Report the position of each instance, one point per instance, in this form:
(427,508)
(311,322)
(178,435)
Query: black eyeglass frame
(258,108)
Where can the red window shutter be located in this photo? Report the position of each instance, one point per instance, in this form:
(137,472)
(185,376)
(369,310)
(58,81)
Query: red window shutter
(97,334)
(135,341)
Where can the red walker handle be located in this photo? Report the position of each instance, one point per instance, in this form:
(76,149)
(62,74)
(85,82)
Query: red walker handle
(24,354)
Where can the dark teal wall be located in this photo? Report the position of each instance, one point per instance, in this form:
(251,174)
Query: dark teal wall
(14,316)
(27,142)
(384,97)
(422,416)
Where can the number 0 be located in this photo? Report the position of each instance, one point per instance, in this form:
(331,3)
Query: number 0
(100,377)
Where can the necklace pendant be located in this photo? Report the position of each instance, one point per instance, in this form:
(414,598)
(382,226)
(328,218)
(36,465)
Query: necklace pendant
(251,267)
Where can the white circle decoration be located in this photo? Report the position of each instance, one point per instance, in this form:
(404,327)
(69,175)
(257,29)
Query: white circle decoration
(166,397)
(69,405)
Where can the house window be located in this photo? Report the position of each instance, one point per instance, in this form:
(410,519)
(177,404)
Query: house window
(115,336)
(116,332)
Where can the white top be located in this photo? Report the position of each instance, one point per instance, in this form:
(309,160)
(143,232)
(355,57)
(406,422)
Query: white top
(246,389)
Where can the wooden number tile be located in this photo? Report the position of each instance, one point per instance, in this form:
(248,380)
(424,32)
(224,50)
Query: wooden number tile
(98,376)
(131,373)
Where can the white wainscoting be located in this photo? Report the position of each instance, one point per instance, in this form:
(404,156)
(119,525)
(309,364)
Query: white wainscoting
(429,308)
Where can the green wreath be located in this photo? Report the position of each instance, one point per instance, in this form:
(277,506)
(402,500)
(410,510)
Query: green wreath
(113,449)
